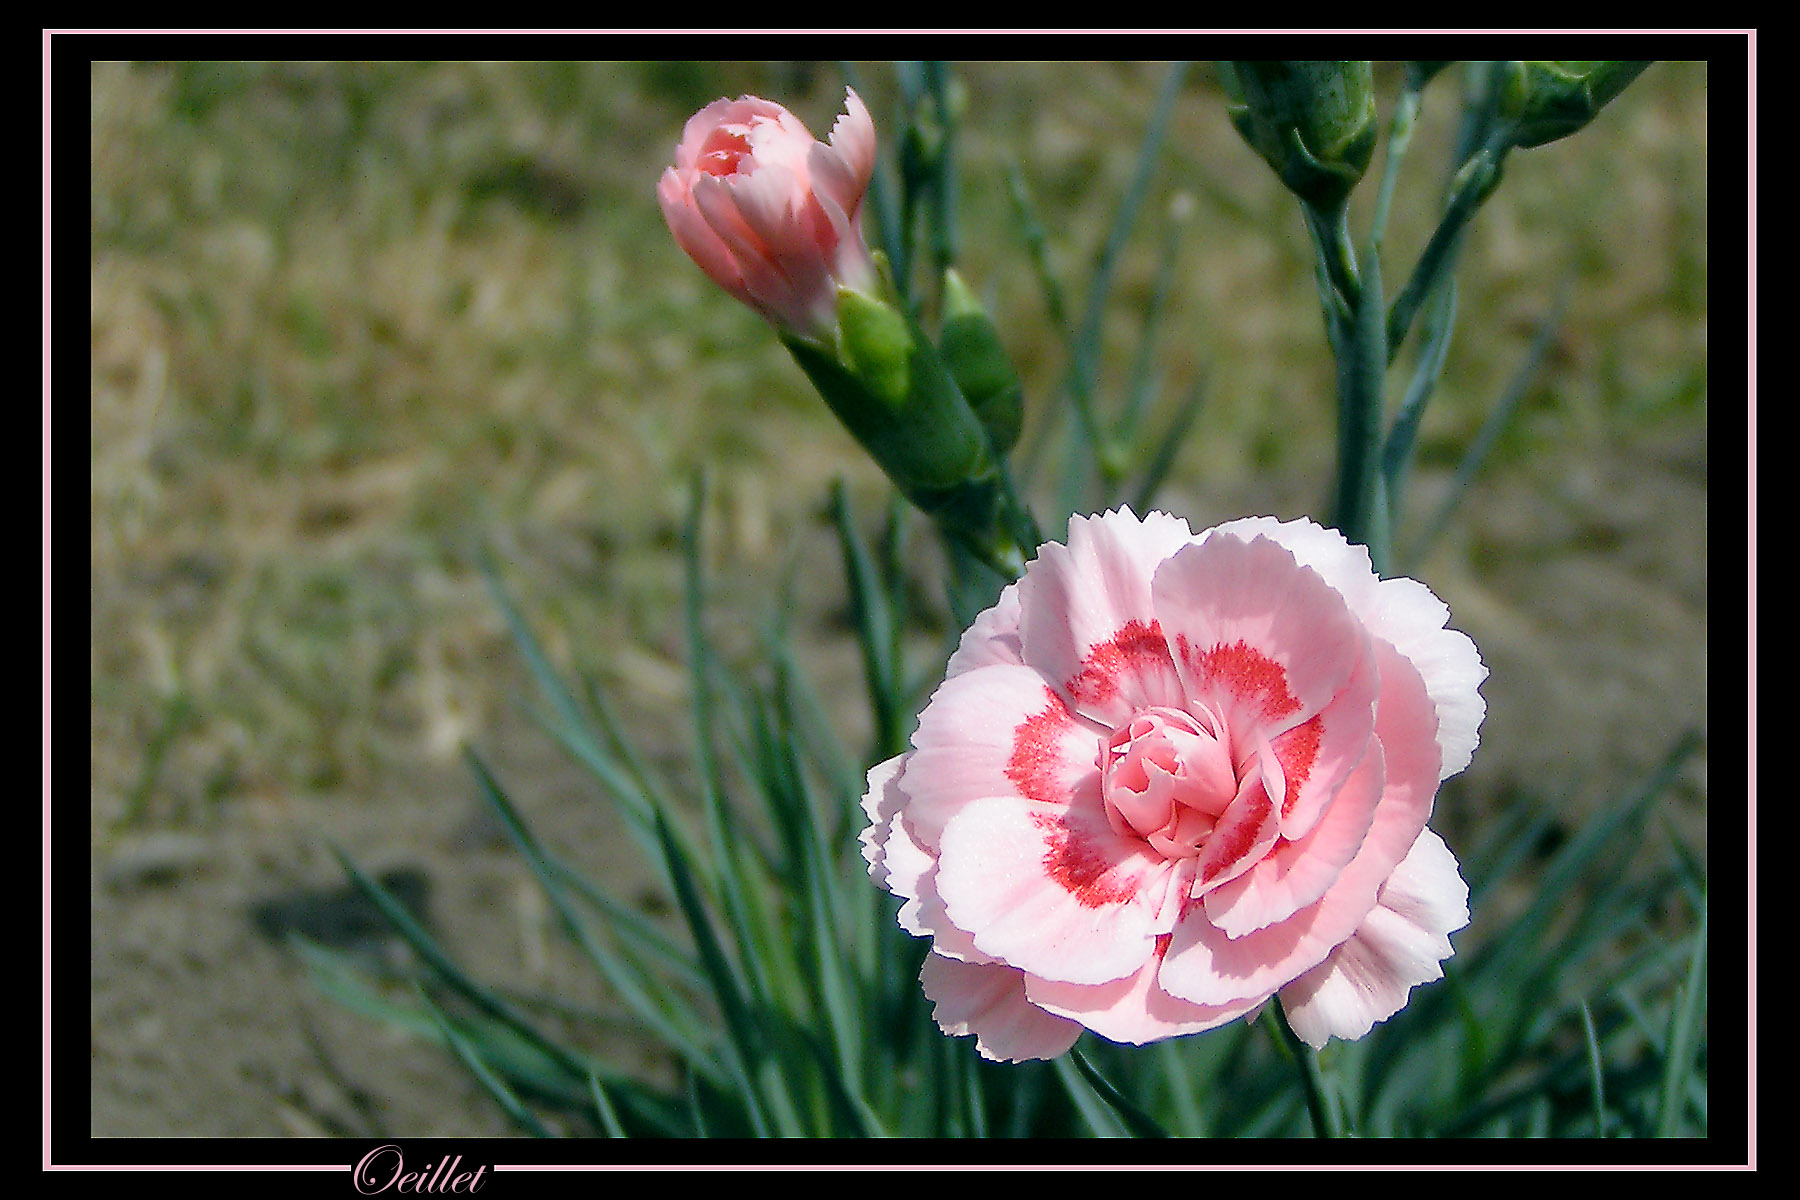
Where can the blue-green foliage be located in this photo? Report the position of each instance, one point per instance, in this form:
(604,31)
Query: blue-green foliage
(785,994)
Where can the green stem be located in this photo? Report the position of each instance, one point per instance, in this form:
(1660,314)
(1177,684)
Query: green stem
(1475,182)
(1406,113)
(1362,370)
(1336,259)
(1312,1076)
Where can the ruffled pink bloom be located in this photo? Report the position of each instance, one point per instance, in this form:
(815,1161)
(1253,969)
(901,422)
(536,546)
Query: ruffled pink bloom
(1169,776)
(773,216)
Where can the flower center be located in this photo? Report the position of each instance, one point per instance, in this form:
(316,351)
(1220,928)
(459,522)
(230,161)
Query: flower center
(724,148)
(1165,776)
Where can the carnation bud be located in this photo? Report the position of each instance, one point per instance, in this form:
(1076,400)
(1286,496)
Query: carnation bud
(1544,100)
(1313,122)
(970,344)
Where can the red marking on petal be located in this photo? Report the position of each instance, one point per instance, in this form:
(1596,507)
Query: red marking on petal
(1135,647)
(1296,751)
(1162,945)
(1036,757)
(1258,681)
(724,149)
(1080,868)
(1231,841)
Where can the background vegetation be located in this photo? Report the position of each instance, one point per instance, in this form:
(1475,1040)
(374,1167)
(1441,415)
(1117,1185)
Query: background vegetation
(354,323)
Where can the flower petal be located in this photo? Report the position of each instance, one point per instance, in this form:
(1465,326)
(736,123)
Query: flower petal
(1296,873)
(993,637)
(1269,643)
(1058,897)
(1086,621)
(1401,944)
(1133,1010)
(1206,966)
(997,731)
(989,1001)
(1413,619)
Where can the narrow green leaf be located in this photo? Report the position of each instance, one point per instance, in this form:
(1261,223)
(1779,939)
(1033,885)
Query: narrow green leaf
(1184,1091)
(434,957)
(604,1110)
(1686,1032)
(1474,183)
(1596,1070)
(1136,1121)
(744,1033)
(490,1083)
(1101,1120)
(1489,434)
(875,624)
(1396,453)
(660,1008)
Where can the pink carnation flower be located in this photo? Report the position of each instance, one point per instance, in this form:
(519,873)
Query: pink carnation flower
(773,216)
(1169,776)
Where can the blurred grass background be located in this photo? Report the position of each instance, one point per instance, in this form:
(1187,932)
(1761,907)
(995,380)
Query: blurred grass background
(351,322)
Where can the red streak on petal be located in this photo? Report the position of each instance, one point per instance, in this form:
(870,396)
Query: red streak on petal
(1036,757)
(1135,647)
(1258,681)
(1231,841)
(1079,867)
(1296,751)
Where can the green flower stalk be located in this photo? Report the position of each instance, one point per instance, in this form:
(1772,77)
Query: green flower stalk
(1313,122)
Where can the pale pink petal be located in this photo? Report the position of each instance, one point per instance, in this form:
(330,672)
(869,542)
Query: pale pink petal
(1206,966)
(1413,619)
(881,804)
(1133,1010)
(989,1001)
(1269,645)
(852,141)
(1402,611)
(1061,898)
(1246,831)
(1086,620)
(1401,944)
(737,114)
(1341,563)
(993,637)
(1296,873)
(904,867)
(769,289)
(696,238)
(997,731)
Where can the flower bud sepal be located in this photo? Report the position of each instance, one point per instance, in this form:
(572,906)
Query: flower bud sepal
(970,343)
(891,389)
(1544,100)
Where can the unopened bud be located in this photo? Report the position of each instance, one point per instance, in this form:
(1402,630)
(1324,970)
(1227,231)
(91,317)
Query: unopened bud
(970,344)
(1544,100)
(1313,122)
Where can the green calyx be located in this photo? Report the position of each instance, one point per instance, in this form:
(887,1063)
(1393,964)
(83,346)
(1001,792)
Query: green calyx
(970,344)
(1313,122)
(893,391)
(1545,100)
